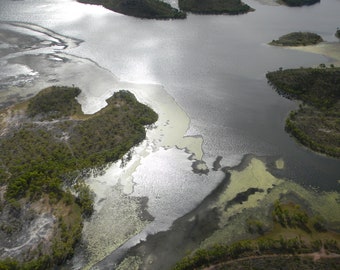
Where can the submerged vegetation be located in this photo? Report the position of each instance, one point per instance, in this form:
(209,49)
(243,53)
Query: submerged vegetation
(292,242)
(46,153)
(214,6)
(316,123)
(150,9)
(299,3)
(297,39)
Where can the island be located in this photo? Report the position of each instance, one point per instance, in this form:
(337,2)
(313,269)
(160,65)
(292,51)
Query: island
(231,7)
(337,33)
(316,123)
(148,9)
(297,240)
(48,146)
(299,3)
(297,39)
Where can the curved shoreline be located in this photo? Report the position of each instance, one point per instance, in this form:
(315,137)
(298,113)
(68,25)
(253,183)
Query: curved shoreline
(54,67)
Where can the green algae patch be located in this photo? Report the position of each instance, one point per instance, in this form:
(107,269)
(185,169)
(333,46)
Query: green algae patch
(130,263)
(118,220)
(263,190)
(283,220)
(280,164)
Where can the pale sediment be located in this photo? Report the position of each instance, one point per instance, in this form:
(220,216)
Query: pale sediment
(328,49)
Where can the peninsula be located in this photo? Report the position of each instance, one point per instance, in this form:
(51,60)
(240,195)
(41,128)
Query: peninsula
(316,123)
(47,148)
(232,7)
(297,39)
(148,9)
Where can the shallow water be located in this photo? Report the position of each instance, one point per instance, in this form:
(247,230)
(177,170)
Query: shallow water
(206,73)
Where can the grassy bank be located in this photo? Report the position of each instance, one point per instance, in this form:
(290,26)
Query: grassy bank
(293,241)
(232,7)
(297,39)
(149,9)
(47,147)
(316,123)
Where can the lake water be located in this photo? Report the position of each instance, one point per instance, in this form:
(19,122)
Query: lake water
(214,68)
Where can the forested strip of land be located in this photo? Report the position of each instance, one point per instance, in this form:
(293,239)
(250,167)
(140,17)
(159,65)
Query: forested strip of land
(316,124)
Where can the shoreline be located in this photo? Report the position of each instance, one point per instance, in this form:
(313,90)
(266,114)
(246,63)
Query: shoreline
(330,50)
(52,66)
(210,222)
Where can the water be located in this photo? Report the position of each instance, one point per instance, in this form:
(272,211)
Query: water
(214,68)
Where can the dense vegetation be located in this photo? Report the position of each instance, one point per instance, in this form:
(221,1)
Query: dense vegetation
(297,39)
(337,33)
(294,235)
(39,159)
(316,123)
(150,9)
(299,3)
(61,102)
(214,6)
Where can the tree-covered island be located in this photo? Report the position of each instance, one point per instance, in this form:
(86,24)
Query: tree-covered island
(148,9)
(297,39)
(47,148)
(299,3)
(231,7)
(337,33)
(316,123)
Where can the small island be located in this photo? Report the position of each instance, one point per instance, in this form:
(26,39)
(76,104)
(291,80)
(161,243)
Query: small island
(47,148)
(297,39)
(148,9)
(297,240)
(232,7)
(316,123)
(299,3)
(337,33)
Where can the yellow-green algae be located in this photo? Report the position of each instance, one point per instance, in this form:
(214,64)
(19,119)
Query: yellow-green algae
(130,263)
(259,205)
(117,220)
(280,164)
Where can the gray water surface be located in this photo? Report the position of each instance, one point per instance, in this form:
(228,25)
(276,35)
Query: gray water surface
(214,67)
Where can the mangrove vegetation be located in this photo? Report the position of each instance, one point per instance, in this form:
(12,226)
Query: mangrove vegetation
(316,123)
(231,7)
(47,148)
(299,3)
(297,39)
(149,9)
(295,241)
